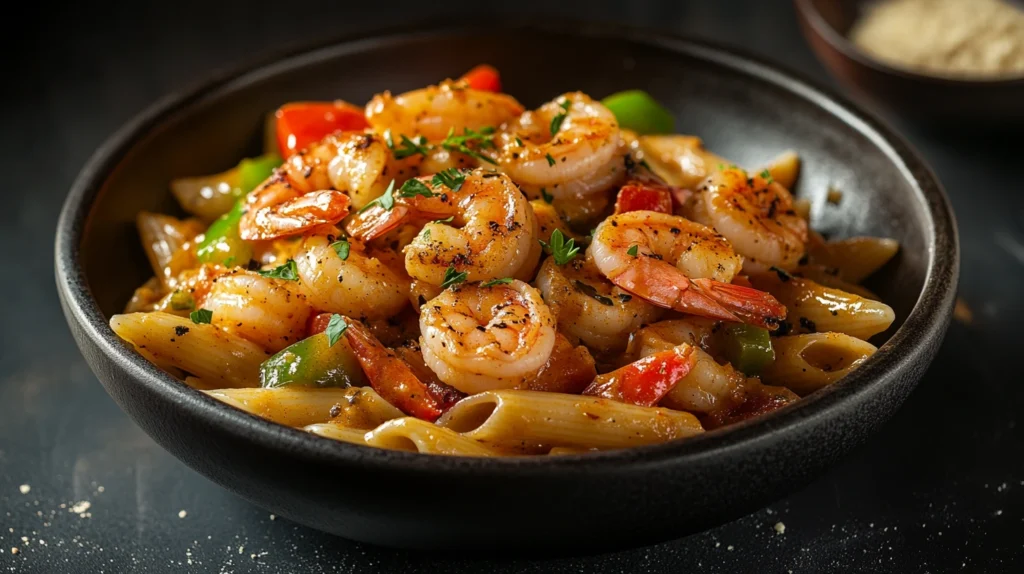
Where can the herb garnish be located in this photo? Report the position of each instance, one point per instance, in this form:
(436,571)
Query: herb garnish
(408,147)
(386,200)
(767,175)
(482,138)
(551,160)
(591,291)
(556,122)
(453,277)
(335,328)
(563,251)
(182,301)
(200,316)
(287,272)
(414,187)
(342,248)
(493,282)
(633,251)
(547,196)
(448,219)
(451,178)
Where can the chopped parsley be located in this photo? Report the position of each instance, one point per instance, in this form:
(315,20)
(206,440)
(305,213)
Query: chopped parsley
(556,122)
(453,277)
(493,282)
(200,316)
(633,251)
(482,138)
(335,328)
(415,187)
(767,175)
(563,251)
(289,271)
(451,178)
(519,142)
(408,146)
(341,248)
(386,200)
(551,160)
(182,301)
(425,235)
(591,291)
(448,219)
(547,196)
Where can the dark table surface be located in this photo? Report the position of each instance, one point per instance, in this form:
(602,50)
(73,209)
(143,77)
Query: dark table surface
(82,489)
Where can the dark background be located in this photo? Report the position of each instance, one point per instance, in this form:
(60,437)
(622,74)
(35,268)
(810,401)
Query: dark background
(941,488)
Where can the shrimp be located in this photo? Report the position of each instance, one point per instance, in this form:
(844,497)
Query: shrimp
(756,215)
(678,264)
(364,284)
(591,307)
(492,233)
(434,111)
(479,338)
(317,185)
(583,157)
(269,312)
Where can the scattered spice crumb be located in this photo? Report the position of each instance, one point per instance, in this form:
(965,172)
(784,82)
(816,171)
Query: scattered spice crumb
(81,509)
(24,488)
(272,517)
(729,548)
(999,513)
(963,314)
(780,527)
(182,514)
(100,489)
(834,196)
(14,550)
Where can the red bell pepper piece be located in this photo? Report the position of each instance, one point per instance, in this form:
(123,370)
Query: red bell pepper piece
(647,381)
(302,123)
(484,78)
(639,195)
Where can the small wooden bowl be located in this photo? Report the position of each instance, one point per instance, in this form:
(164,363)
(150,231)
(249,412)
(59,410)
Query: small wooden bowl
(931,100)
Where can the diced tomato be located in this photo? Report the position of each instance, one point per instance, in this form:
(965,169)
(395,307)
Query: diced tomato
(484,78)
(647,381)
(302,123)
(644,196)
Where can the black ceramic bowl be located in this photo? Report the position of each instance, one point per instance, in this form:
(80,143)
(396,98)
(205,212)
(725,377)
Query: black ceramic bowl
(745,109)
(938,102)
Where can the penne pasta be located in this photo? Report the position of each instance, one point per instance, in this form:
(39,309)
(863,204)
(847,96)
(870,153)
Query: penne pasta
(200,349)
(806,363)
(363,409)
(415,435)
(856,258)
(167,242)
(199,384)
(564,450)
(510,418)
(145,297)
(815,308)
(680,160)
(294,407)
(829,277)
(208,196)
(337,432)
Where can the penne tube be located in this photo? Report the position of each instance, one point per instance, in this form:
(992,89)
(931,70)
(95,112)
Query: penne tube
(417,435)
(167,242)
(815,308)
(829,277)
(145,297)
(199,384)
(364,409)
(510,418)
(680,160)
(563,450)
(202,350)
(337,432)
(294,407)
(855,258)
(806,363)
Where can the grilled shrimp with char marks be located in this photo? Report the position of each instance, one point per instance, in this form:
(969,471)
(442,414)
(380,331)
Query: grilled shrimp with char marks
(492,232)
(478,338)
(434,111)
(269,312)
(678,264)
(317,185)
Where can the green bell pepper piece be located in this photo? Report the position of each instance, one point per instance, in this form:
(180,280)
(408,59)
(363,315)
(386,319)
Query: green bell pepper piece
(254,171)
(221,243)
(313,362)
(636,110)
(747,348)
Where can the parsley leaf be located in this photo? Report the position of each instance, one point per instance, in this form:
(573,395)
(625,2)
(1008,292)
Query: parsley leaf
(386,200)
(482,138)
(425,235)
(451,178)
(519,142)
(182,301)
(547,196)
(591,291)
(563,251)
(767,175)
(493,282)
(415,187)
(448,219)
(408,147)
(453,277)
(556,122)
(288,271)
(633,251)
(200,316)
(335,327)
(341,248)
(551,160)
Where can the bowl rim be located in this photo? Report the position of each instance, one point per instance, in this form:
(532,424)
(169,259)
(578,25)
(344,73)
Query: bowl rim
(927,319)
(812,16)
